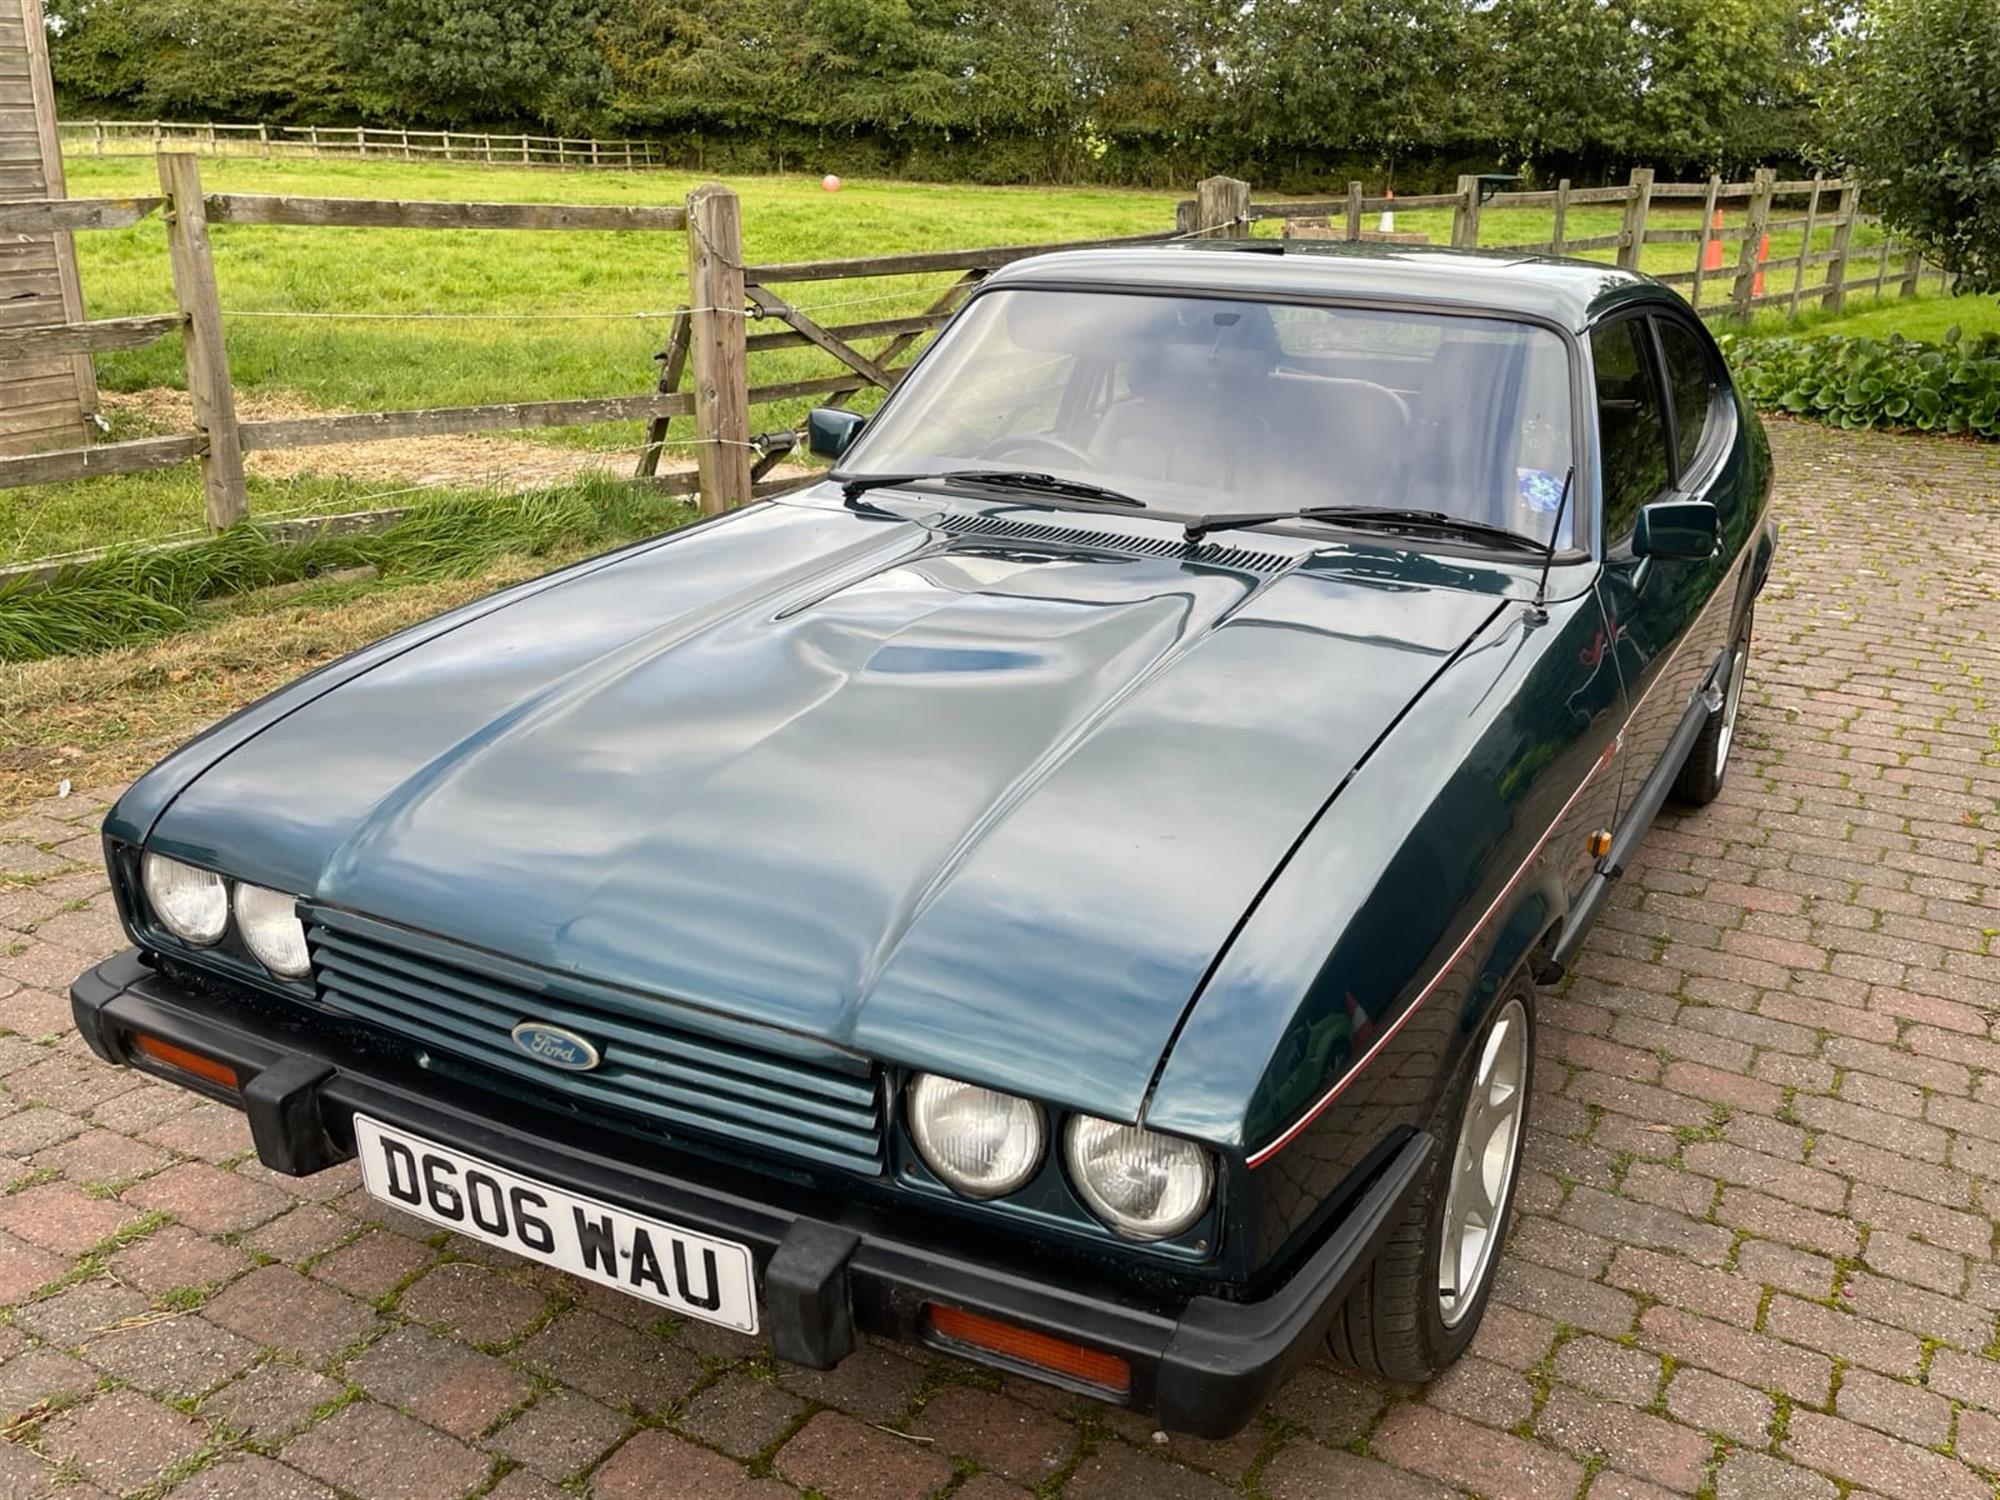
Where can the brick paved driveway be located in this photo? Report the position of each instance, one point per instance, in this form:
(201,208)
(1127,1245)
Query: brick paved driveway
(1756,1256)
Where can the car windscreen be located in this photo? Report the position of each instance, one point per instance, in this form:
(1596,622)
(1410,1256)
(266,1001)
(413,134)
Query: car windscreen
(1210,404)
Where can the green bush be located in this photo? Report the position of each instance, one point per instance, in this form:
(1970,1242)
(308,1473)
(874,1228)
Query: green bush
(1857,382)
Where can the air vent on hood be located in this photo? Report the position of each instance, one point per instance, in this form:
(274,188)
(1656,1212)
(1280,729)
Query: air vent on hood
(1004,529)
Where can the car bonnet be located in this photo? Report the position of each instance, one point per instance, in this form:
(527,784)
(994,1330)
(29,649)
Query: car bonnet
(967,802)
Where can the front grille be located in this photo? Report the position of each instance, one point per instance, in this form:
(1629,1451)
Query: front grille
(664,1069)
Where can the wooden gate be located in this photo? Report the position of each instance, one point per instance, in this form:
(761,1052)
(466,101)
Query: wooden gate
(878,370)
(710,343)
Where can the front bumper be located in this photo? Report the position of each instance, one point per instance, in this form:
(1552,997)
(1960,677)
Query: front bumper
(826,1266)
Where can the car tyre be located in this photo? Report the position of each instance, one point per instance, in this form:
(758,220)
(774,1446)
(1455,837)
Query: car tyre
(1400,1322)
(1700,781)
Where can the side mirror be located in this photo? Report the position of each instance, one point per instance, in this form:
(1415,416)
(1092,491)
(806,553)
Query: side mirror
(830,432)
(1677,528)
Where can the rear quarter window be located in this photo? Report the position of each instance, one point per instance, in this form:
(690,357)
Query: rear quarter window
(1631,423)
(1691,382)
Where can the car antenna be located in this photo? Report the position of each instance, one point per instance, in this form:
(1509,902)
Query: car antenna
(1538,612)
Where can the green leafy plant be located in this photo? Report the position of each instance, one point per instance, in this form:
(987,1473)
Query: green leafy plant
(1952,387)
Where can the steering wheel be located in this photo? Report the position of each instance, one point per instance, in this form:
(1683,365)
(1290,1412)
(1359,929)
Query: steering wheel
(1032,444)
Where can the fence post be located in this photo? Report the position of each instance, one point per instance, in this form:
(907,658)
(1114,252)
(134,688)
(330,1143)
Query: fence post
(1805,250)
(312,132)
(1632,235)
(1465,215)
(1354,210)
(1221,208)
(263,140)
(97,136)
(1560,228)
(207,363)
(1707,238)
(1843,236)
(1913,267)
(717,349)
(1753,235)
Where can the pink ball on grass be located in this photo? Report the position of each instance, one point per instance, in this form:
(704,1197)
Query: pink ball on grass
(830,182)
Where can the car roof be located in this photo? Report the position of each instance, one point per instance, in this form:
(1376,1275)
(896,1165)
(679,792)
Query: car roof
(1573,293)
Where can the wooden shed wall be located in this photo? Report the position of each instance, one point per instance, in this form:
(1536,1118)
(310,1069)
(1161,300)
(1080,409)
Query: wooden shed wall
(42,402)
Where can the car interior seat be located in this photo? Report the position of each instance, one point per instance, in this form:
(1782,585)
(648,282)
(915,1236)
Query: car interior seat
(1456,451)
(1194,414)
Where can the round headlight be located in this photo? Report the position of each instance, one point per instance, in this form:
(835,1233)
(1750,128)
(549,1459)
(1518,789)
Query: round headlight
(269,922)
(194,904)
(981,1142)
(1145,1185)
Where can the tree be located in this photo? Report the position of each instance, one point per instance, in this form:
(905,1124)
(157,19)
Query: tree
(1915,111)
(1374,76)
(1722,80)
(202,59)
(1567,76)
(461,62)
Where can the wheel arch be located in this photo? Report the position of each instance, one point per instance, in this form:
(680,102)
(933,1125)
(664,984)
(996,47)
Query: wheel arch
(1521,936)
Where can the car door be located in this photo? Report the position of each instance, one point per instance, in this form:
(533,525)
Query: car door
(1659,437)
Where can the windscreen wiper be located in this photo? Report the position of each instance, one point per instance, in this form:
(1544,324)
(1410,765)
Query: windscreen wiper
(1013,479)
(1382,517)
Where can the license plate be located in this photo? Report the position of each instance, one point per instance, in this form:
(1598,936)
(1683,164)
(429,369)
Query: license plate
(694,1275)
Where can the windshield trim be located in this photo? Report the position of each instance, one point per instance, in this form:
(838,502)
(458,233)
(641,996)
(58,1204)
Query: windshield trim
(1584,498)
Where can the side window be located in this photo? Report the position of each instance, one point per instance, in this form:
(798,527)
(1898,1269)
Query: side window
(1631,423)
(1691,378)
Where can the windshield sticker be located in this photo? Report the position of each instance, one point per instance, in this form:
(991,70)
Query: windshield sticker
(1540,489)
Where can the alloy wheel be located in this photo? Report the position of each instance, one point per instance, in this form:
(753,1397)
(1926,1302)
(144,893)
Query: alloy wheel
(1489,1141)
(1738,669)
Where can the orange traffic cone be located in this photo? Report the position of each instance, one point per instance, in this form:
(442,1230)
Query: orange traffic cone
(1763,254)
(1711,258)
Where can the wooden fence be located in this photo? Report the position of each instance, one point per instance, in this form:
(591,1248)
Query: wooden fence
(706,372)
(1734,225)
(353,143)
(221,440)
(1223,207)
(708,346)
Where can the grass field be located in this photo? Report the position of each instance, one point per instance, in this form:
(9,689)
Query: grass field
(1924,319)
(104,717)
(507,316)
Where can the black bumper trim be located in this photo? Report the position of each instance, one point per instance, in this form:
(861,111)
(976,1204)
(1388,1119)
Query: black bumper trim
(282,1102)
(1205,1370)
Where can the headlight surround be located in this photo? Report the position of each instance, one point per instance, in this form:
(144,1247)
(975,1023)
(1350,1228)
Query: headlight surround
(191,903)
(982,1143)
(269,923)
(1145,1185)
